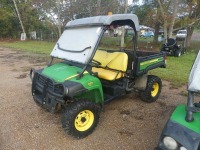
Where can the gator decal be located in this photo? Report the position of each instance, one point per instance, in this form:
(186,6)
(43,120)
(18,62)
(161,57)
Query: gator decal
(179,114)
(73,76)
(148,63)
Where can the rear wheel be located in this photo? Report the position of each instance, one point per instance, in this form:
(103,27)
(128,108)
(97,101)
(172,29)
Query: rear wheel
(177,53)
(80,118)
(153,89)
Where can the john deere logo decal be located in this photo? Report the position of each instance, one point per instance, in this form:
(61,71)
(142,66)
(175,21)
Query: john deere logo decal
(90,83)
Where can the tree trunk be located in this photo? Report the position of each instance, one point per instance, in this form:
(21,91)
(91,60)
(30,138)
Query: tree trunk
(123,28)
(59,21)
(164,20)
(189,36)
(19,16)
(173,18)
(98,7)
(157,27)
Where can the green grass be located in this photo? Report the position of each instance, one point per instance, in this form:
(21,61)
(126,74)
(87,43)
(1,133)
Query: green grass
(178,69)
(40,47)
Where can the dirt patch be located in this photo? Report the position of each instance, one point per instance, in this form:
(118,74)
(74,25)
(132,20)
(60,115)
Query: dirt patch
(22,76)
(126,123)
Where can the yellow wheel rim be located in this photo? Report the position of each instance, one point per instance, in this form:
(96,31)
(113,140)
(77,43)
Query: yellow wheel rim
(84,120)
(155,89)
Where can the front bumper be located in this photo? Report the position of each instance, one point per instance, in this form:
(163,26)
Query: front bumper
(183,136)
(46,92)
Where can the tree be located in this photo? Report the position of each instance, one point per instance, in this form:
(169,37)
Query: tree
(193,18)
(60,12)
(123,28)
(164,18)
(171,26)
(19,16)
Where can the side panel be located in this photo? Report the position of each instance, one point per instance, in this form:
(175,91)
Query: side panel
(93,95)
(93,86)
(147,63)
(144,64)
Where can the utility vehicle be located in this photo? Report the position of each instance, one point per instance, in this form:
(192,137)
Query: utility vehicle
(90,74)
(174,47)
(181,34)
(182,131)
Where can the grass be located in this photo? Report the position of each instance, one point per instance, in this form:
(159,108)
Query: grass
(177,71)
(40,47)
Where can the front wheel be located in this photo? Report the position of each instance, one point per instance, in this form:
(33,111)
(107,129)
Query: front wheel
(80,118)
(153,89)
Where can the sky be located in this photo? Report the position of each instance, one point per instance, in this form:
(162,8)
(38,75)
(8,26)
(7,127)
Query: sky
(131,1)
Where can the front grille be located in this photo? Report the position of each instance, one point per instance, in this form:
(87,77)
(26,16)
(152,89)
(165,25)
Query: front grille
(59,89)
(44,82)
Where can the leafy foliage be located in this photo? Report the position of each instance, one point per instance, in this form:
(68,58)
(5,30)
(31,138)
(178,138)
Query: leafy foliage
(50,16)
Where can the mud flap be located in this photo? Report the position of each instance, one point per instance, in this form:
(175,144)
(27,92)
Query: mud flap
(141,82)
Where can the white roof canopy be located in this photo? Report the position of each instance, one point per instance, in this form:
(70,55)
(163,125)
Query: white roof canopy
(105,20)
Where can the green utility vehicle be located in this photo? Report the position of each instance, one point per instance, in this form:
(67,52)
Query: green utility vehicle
(90,74)
(182,131)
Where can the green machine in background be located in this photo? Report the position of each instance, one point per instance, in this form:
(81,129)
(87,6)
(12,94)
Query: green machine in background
(182,131)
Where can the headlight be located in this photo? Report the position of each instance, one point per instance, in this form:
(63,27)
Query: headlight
(170,143)
(183,148)
(66,90)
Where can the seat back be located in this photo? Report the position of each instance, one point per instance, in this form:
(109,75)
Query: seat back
(112,60)
(171,42)
(120,62)
(104,57)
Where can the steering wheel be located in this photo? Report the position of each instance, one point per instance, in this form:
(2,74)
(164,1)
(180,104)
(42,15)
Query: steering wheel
(95,62)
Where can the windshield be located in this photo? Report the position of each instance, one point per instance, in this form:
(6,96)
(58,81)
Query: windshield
(77,44)
(181,32)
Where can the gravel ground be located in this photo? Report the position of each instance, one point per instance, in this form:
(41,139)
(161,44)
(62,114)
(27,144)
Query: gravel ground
(126,123)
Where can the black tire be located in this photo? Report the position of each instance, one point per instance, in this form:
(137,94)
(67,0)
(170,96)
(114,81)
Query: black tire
(151,93)
(177,53)
(80,118)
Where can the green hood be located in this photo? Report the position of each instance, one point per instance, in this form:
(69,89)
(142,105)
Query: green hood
(179,114)
(64,73)
(61,72)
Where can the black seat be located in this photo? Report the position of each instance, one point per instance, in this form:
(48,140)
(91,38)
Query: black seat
(170,42)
